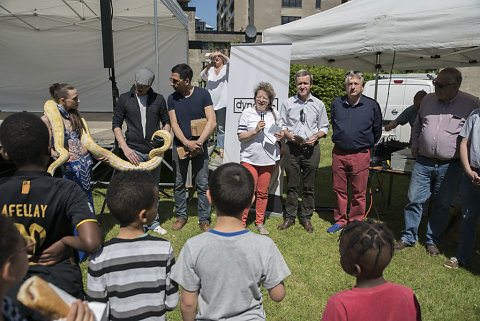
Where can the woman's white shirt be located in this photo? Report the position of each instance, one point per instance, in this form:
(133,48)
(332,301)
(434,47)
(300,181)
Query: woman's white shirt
(217,85)
(262,149)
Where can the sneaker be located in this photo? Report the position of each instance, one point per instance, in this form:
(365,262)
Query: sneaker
(160,230)
(452,263)
(334,228)
(262,229)
(432,250)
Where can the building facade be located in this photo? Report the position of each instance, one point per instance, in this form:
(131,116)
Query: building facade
(235,15)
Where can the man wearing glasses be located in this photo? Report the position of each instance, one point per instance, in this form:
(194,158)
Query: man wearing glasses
(357,127)
(145,112)
(186,104)
(304,121)
(437,170)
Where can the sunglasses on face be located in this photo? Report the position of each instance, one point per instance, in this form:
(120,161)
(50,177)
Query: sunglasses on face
(354,73)
(440,85)
(175,81)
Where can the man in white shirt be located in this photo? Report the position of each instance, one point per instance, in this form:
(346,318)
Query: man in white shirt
(304,121)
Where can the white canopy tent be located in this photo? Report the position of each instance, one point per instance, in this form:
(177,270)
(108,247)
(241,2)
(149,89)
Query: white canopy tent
(368,35)
(42,42)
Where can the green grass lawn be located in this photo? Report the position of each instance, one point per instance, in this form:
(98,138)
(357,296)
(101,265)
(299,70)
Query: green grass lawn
(313,258)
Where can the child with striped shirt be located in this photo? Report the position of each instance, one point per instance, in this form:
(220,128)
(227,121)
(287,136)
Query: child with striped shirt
(132,271)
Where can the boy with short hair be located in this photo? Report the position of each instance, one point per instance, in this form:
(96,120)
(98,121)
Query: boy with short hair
(45,208)
(132,271)
(222,269)
(366,248)
(470,187)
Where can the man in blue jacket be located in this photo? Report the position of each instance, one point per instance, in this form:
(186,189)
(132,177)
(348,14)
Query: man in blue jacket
(357,127)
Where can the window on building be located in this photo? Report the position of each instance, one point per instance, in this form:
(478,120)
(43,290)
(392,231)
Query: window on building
(287,19)
(318,4)
(292,3)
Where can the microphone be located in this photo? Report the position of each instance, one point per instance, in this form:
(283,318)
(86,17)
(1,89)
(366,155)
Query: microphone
(262,116)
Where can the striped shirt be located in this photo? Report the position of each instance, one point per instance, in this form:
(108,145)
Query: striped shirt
(133,277)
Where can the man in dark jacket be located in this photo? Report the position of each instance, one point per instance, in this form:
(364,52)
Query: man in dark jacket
(357,127)
(145,112)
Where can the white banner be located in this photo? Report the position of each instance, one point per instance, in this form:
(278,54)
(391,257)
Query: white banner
(249,65)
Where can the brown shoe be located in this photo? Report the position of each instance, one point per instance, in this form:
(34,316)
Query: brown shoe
(400,245)
(286,224)
(204,226)
(179,224)
(307,225)
(432,250)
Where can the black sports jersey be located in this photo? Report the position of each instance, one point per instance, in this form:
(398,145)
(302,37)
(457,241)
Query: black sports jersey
(44,207)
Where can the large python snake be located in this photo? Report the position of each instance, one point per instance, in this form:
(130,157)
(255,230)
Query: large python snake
(53,114)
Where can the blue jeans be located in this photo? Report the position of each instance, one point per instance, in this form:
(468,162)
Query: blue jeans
(156,178)
(220,116)
(430,178)
(200,171)
(470,216)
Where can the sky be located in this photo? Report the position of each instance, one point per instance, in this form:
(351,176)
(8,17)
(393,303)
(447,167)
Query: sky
(206,10)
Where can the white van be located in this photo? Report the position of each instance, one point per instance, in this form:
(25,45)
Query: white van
(400,96)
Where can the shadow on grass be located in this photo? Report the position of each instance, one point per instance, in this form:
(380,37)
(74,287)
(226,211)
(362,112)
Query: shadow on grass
(166,209)
(388,207)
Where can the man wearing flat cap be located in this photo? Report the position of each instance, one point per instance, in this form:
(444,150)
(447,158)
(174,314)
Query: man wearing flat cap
(145,112)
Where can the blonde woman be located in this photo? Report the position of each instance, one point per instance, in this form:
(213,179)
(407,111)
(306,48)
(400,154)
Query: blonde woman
(259,150)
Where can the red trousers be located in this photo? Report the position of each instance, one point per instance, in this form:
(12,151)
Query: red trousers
(261,177)
(349,168)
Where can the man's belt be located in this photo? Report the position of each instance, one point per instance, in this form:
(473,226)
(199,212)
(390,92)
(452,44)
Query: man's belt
(304,146)
(440,161)
(362,151)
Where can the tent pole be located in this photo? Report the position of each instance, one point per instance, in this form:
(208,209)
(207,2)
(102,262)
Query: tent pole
(157,64)
(377,67)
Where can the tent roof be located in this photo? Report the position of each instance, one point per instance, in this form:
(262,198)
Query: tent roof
(51,14)
(423,35)
(48,41)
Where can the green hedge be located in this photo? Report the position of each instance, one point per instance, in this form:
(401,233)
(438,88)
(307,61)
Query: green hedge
(328,82)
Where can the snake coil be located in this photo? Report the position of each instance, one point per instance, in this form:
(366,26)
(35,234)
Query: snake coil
(53,114)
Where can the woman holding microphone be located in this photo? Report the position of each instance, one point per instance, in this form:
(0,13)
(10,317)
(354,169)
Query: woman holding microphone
(259,150)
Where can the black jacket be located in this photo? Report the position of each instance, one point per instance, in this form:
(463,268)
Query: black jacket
(127,109)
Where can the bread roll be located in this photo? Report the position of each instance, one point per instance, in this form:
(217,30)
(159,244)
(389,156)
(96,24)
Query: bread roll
(37,294)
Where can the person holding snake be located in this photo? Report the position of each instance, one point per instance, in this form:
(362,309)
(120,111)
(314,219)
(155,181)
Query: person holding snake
(78,168)
(144,111)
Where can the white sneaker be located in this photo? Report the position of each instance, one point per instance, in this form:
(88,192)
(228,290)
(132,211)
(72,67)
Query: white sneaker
(160,230)
(262,229)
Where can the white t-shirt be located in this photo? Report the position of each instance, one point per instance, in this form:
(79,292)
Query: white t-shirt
(217,86)
(142,103)
(262,149)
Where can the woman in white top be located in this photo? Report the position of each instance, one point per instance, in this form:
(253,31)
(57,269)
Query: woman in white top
(259,150)
(217,79)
